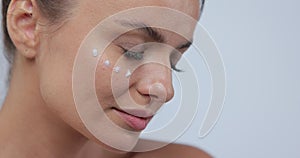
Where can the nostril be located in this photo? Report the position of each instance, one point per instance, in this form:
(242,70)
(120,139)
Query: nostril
(153,97)
(148,94)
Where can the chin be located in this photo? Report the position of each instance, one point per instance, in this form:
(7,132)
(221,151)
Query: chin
(110,133)
(119,142)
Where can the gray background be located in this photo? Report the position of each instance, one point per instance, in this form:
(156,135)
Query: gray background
(259,43)
(3,72)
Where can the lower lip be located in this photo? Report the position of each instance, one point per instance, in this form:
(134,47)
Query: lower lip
(134,122)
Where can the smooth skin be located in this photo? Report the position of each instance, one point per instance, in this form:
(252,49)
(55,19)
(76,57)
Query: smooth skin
(39,118)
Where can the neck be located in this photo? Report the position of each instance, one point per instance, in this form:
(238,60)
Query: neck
(29,128)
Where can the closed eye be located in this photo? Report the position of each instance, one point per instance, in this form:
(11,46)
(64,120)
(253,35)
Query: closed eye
(133,55)
(138,55)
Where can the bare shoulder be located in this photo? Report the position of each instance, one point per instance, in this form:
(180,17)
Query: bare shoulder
(174,151)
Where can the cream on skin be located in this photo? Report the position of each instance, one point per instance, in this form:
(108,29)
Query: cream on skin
(39,118)
(95,52)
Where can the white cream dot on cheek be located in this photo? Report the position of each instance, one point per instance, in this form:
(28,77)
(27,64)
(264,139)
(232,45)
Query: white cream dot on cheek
(106,63)
(95,52)
(117,69)
(128,74)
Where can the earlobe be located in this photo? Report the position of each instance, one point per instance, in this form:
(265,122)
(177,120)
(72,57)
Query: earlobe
(22,26)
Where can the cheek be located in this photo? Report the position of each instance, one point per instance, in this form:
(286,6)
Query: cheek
(56,87)
(102,78)
(112,79)
(55,66)
(56,90)
(55,72)
(55,83)
(55,63)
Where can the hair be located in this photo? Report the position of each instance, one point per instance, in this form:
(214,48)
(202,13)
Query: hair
(53,10)
(202,6)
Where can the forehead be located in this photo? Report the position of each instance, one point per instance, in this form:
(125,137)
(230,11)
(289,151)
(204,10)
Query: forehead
(162,34)
(162,24)
(179,17)
(189,7)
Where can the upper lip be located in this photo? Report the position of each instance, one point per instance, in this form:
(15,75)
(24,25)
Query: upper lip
(137,112)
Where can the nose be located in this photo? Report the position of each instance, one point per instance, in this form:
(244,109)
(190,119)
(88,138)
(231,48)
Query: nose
(155,82)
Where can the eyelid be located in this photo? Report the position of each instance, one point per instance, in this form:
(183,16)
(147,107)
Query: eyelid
(134,47)
(139,54)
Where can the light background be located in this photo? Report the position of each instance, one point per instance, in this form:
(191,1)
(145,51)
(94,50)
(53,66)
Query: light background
(259,43)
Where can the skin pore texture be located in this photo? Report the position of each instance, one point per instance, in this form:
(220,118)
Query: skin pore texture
(39,118)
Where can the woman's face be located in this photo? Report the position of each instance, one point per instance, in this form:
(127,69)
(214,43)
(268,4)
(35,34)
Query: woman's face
(143,81)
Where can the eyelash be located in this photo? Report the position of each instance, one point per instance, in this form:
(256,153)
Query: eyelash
(140,56)
(133,55)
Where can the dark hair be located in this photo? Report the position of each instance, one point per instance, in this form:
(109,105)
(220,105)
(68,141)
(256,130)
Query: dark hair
(202,6)
(54,10)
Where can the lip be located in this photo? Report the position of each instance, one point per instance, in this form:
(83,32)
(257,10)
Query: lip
(143,113)
(136,119)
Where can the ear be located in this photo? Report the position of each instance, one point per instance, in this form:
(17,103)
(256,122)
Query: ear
(22,27)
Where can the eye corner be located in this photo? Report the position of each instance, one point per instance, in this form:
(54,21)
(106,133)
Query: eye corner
(174,68)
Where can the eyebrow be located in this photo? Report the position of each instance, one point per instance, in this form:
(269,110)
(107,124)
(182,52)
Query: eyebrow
(151,32)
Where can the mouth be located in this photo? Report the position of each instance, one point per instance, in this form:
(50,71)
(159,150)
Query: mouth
(136,119)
